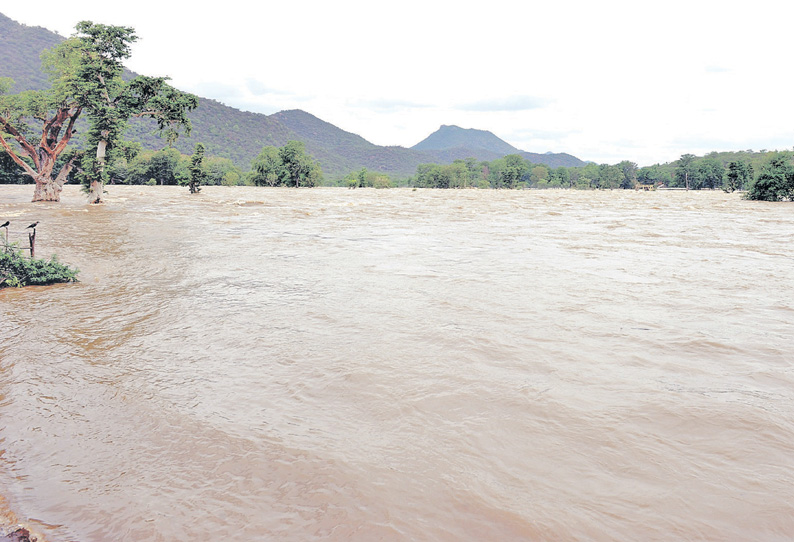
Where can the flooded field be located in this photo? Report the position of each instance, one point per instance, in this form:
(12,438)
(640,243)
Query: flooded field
(332,364)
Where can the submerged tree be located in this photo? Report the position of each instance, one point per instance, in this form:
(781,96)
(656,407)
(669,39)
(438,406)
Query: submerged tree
(286,166)
(56,110)
(740,174)
(266,167)
(111,102)
(298,168)
(85,72)
(776,180)
(685,170)
(197,174)
(512,169)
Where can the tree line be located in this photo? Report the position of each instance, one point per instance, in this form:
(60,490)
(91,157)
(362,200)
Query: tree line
(764,175)
(36,128)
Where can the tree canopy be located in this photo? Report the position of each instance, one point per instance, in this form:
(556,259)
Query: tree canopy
(37,150)
(285,166)
(85,73)
(776,180)
(111,102)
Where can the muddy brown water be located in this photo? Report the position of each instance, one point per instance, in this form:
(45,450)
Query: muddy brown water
(331,364)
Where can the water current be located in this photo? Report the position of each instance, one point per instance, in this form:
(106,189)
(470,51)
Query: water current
(361,365)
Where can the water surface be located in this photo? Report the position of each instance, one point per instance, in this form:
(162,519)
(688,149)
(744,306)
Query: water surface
(277,364)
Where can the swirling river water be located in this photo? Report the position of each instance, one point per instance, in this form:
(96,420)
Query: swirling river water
(470,365)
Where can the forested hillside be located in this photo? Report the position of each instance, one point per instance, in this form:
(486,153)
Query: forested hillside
(239,136)
(20,47)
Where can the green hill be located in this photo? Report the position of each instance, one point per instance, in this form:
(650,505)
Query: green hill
(20,47)
(239,135)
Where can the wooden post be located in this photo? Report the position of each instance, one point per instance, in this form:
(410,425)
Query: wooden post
(32,239)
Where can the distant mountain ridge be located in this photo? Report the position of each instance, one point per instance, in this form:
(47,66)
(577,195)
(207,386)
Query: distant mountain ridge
(450,137)
(240,136)
(449,143)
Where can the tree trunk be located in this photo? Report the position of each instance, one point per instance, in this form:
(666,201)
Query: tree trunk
(47,190)
(95,188)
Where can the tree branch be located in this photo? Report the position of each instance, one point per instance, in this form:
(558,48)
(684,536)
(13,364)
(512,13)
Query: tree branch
(65,170)
(26,147)
(69,132)
(24,165)
(104,89)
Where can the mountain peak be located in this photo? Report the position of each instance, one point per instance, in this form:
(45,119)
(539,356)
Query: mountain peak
(451,137)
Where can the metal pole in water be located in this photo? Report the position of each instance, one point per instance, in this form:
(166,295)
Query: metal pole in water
(32,239)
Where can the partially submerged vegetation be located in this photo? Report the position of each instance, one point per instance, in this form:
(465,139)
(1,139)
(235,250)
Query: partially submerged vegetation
(17,270)
(776,181)
(729,171)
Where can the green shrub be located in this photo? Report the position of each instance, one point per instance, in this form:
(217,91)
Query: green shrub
(17,270)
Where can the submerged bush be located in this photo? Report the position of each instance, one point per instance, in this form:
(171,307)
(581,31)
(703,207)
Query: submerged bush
(776,181)
(17,270)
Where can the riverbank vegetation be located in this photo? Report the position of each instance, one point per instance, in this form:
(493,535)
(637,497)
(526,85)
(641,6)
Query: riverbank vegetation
(728,171)
(763,175)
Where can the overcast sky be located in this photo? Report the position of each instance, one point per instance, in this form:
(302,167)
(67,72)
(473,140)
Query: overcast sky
(605,81)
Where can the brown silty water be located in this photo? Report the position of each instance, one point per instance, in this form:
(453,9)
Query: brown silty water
(275,364)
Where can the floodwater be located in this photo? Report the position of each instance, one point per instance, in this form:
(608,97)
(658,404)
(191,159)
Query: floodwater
(398,365)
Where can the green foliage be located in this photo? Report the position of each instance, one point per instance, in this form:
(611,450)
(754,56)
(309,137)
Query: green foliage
(37,151)
(776,180)
(221,171)
(709,173)
(468,173)
(266,167)
(685,171)
(629,171)
(110,101)
(432,176)
(540,174)
(10,173)
(510,170)
(298,168)
(17,270)
(367,179)
(197,175)
(285,166)
(739,175)
(655,174)
(560,178)
(167,167)
(170,167)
